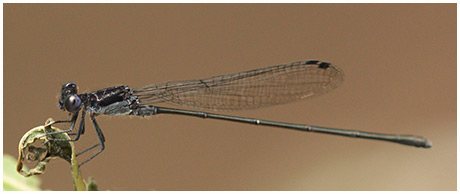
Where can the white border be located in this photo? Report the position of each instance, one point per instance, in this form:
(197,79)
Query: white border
(219,1)
(230,1)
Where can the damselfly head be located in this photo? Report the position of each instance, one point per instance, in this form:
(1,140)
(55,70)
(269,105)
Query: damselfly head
(69,100)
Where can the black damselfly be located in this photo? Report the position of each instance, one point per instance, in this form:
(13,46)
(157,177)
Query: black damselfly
(238,91)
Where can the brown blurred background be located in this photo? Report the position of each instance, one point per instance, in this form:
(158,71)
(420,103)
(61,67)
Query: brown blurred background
(400,67)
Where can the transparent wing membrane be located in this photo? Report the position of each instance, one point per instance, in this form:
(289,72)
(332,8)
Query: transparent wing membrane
(253,89)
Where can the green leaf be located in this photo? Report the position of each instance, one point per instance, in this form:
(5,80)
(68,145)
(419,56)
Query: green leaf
(12,181)
(46,151)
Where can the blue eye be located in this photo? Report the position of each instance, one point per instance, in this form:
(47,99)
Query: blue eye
(72,103)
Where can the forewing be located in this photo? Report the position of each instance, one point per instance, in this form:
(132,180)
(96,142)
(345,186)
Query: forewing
(248,90)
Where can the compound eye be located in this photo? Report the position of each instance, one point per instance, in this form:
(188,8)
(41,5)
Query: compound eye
(72,103)
(69,88)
